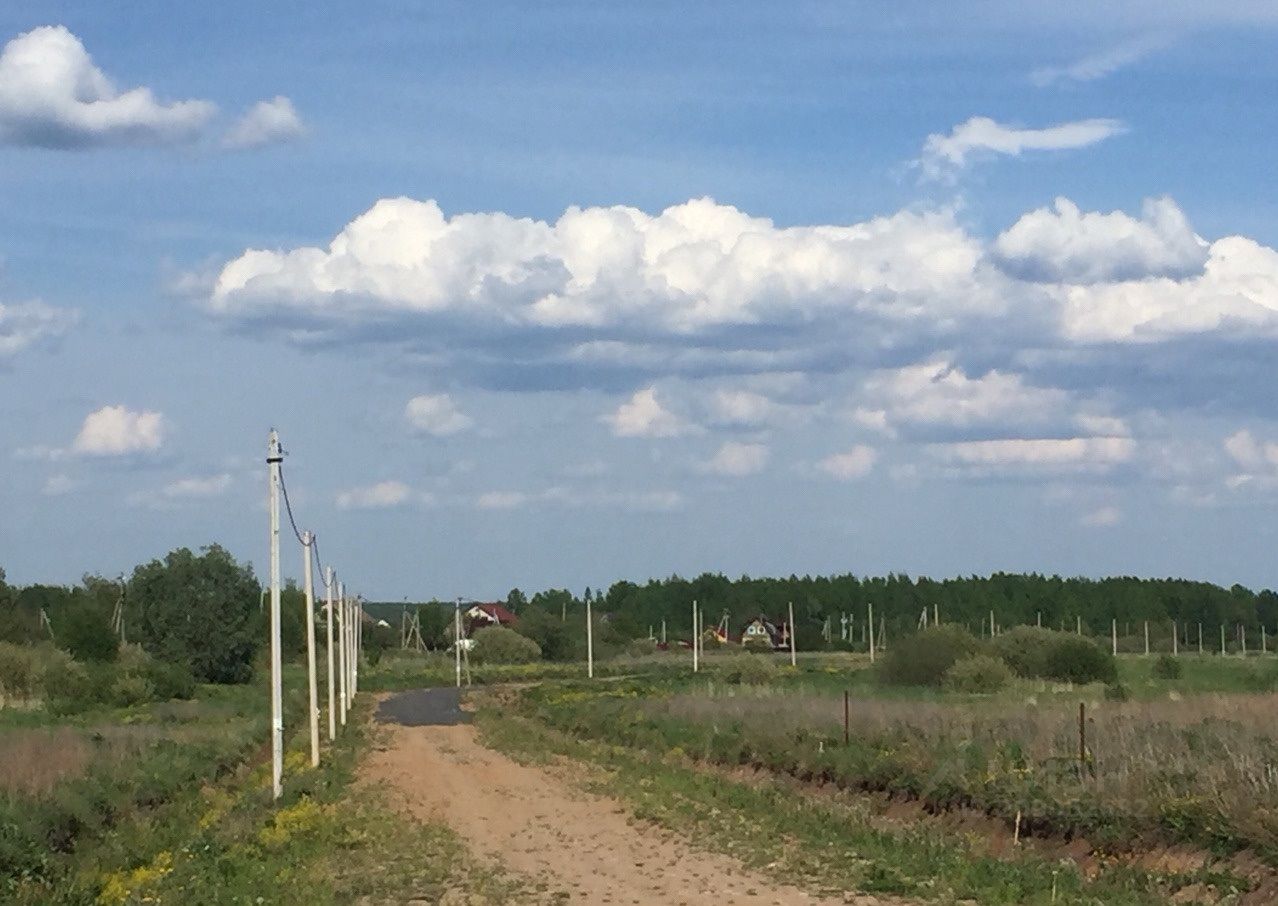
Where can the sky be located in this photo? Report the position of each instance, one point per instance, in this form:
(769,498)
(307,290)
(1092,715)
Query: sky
(565,293)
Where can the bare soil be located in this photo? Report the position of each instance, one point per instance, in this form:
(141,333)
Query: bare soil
(578,847)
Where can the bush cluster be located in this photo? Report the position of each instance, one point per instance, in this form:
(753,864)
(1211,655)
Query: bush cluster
(928,657)
(1047,654)
(980,673)
(749,669)
(499,645)
(135,678)
(1168,667)
(923,659)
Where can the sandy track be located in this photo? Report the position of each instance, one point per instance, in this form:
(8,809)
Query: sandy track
(525,819)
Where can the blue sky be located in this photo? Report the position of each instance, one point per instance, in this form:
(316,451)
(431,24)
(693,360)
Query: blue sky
(562,294)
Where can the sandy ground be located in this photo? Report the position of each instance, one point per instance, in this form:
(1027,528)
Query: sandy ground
(525,819)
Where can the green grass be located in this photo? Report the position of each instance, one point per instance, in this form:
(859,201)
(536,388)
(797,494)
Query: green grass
(821,843)
(194,825)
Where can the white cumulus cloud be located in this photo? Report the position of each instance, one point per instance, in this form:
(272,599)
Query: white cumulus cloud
(267,123)
(380,496)
(119,431)
(939,393)
(1065,245)
(614,271)
(945,154)
(737,459)
(1237,292)
(850,464)
(436,414)
(28,324)
(52,95)
(643,416)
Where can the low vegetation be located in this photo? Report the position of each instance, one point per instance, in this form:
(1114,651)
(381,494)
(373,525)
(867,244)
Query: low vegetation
(499,645)
(1200,770)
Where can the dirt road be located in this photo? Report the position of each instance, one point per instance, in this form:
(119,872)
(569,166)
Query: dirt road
(527,820)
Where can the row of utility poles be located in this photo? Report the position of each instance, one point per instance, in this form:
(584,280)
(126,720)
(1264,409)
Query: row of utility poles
(343,617)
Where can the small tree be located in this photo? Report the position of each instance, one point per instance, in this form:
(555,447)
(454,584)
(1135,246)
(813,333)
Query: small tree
(199,610)
(557,640)
(979,673)
(85,631)
(499,645)
(924,658)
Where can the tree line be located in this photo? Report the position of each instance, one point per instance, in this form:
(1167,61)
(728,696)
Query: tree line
(628,610)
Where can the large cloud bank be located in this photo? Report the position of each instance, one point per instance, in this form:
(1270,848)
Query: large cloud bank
(623,286)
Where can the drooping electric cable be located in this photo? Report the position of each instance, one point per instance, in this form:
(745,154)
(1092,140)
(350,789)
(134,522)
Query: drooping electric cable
(289,507)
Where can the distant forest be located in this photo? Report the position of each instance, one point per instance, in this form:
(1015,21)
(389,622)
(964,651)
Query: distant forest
(899,600)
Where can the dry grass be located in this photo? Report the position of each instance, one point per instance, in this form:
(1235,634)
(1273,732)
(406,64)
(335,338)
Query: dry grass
(36,759)
(1214,757)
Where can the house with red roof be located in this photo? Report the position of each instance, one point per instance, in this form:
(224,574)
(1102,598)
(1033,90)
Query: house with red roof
(480,615)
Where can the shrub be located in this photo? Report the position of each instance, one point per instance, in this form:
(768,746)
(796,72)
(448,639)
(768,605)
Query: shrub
(1075,659)
(1025,649)
(73,687)
(499,645)
(553,636)
(641,647)
(923,658)
(749,670)
(19,674)
(1048,654)
(170,681)
(131,689)
(1117,692)
(979,673)
(1168,667)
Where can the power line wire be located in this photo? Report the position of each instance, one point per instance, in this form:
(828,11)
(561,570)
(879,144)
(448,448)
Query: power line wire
(289,507)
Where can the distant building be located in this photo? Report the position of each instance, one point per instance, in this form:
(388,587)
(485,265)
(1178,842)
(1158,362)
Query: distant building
(762,632)
(481,615)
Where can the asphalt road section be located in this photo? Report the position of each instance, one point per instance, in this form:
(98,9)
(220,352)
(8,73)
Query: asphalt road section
(423,708)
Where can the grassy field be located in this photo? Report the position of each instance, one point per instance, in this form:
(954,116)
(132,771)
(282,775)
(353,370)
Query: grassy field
(1188,765)
(170,803)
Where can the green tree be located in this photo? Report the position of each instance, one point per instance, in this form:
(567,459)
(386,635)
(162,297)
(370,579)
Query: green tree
(558,640)
(516,601)
(436,619)
(84,631)
(202,611)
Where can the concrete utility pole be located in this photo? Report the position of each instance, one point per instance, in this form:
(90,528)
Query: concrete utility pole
(332,679)
(793,661)
(1175,639)
(590,643)
(309,587)
(1200,638)
(341,647)
(869,619)
(663,631)
(695,665)
(358,645)
(273,459)
(1113,637)
(1147,638)
(457,640)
